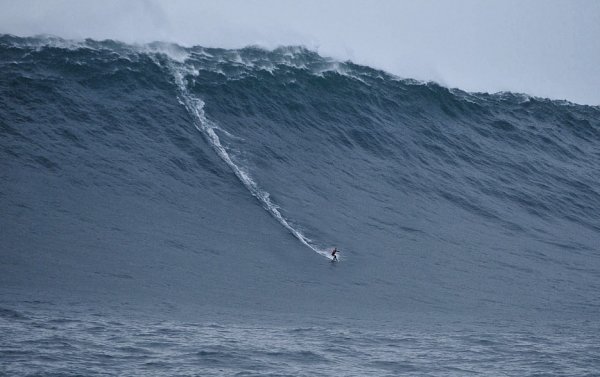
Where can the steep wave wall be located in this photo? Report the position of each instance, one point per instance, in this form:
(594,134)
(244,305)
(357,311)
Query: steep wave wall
(212,177)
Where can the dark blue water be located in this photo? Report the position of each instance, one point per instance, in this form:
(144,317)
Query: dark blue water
(169,211)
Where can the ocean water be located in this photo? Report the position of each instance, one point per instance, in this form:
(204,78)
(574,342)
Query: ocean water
(76,342)
(170,211)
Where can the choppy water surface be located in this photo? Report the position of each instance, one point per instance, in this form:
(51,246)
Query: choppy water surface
(94,344)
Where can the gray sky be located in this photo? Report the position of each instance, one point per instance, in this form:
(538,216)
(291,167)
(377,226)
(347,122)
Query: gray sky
(541,47)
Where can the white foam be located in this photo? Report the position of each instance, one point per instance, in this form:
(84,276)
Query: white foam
(196,108)
(173,51)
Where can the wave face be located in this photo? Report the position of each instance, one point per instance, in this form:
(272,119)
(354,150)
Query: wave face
(174,176)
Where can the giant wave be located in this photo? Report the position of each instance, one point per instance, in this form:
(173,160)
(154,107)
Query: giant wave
(441,201)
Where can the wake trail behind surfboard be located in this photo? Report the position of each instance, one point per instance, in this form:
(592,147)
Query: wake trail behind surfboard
(195,107)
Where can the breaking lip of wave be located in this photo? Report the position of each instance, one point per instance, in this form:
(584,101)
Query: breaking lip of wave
(195,107)
(290,56)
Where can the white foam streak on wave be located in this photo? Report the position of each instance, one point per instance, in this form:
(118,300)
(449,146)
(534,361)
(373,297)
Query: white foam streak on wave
(196,107)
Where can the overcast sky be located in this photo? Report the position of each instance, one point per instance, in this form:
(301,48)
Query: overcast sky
(541,47)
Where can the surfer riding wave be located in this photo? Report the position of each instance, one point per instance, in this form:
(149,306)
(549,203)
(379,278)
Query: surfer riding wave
(334,252)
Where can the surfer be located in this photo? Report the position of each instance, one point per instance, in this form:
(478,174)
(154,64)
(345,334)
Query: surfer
(334,257)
